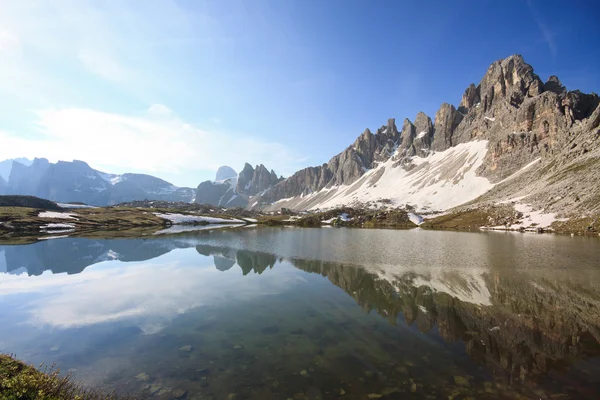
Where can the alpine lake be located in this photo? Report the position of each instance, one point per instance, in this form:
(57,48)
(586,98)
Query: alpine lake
(311,313)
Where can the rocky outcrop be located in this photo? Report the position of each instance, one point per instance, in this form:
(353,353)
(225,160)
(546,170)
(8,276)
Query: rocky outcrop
(252,181)
(521,118)
(234,190)
(447,119)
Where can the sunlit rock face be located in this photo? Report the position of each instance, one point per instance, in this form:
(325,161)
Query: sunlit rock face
(518,117)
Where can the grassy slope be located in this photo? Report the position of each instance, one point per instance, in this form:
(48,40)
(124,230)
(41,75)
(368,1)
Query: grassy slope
(361,218)
(19,381)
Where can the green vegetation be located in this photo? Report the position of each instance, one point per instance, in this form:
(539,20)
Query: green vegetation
(19,381)
(475,218)
(28,201)
(358,218)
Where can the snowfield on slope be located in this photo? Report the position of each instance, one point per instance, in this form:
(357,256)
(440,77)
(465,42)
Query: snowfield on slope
(56,215)
(439,181)
(191,219)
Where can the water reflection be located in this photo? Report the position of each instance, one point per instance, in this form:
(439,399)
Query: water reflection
(214,315)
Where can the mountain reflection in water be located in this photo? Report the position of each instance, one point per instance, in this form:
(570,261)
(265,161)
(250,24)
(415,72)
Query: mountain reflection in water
(499,327)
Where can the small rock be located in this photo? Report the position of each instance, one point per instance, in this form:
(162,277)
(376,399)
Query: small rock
(402,370)
(231,396)
(143,377)
(187,348)
(413,388)
(55,348)
(389,390)
(179,394)
(461,381)
(314,393)
(154,388)
(342,392)
(238,347)
(374,396)
(304,373)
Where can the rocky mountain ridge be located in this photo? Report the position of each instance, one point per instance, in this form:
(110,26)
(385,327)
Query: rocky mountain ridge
(509,125)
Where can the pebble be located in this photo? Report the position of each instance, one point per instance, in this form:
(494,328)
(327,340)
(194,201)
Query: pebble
(461,381)
(179,394)
(374,396)
(55,348)
(154,388)
(187,348)
(304,373)
(238,347)
(142,377)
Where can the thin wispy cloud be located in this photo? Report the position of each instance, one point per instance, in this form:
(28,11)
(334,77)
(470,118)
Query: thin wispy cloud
(547,34)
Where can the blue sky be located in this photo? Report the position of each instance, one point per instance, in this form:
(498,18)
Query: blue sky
(178,88)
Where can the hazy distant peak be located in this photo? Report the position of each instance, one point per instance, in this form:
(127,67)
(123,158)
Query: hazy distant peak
(225,172)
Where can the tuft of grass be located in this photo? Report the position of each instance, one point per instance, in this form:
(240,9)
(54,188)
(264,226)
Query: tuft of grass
(19,381)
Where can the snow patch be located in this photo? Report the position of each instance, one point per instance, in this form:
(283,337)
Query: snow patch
(343,217)
(191,219)
(57,215)
(192,228)
(421,135)
(416,219)
(490,118)
(53,237)
(66,205)
(57,226)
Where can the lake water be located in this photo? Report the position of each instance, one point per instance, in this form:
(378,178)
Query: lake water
(292,313)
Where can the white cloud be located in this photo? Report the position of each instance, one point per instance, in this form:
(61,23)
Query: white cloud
(8,40)
(156,140)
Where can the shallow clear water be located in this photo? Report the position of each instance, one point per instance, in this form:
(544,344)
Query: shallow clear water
(279,313)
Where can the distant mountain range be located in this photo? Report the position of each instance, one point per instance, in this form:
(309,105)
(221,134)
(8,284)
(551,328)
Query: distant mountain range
(76,181)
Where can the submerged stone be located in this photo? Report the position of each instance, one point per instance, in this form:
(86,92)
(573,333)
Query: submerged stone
(187,348)
(461,381)
(154,388)
(142,377)
(179,394)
